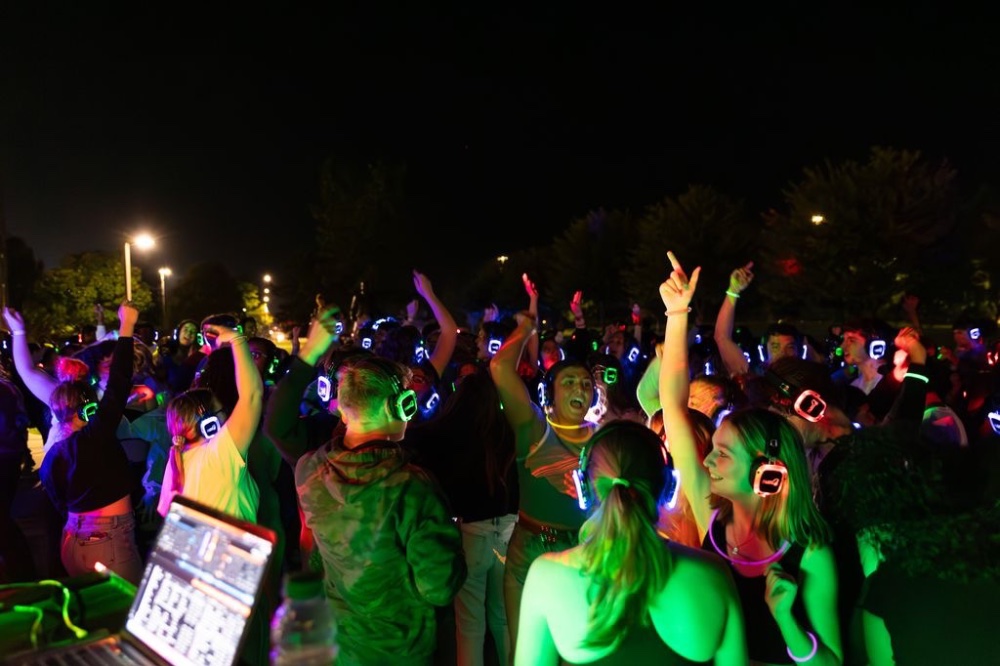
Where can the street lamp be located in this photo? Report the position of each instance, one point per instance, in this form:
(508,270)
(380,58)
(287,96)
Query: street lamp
(143,242)
(502,261)
(265,298)
(164,274)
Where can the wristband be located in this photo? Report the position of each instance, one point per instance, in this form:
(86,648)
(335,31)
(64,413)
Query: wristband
(238,337)
(734,294)
(17,333)
(677,312)
(914,375)
(799,660)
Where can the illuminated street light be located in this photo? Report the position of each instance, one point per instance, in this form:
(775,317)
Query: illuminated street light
(502,260)
(144,242)
(164,274)
(818,219)
(265,299)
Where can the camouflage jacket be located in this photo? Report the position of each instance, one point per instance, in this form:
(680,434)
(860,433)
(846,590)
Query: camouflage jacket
(390,548)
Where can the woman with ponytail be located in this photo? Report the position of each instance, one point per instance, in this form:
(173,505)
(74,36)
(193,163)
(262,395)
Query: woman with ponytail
(208,454)
(625,595)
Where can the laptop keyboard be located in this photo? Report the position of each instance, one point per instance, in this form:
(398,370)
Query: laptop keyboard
(94,654)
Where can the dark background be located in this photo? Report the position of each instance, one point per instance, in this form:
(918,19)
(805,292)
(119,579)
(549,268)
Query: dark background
(208,126)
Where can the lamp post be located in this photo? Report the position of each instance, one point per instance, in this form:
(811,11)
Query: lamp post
(265,298)
(164,274)
(143,242)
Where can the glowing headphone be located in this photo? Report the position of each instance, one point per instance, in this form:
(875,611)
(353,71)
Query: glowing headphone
(432,402)
(805,402)
(607,374)
(994,418)
(493,346)
(87,411)
(975,333)
(768,474)
(403,401)
(326,385)
(584,492)
(208,424)
(876,348)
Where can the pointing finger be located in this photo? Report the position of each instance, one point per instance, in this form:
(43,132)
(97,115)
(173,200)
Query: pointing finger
(673,261)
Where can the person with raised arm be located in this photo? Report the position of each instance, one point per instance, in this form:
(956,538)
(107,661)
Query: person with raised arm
(85,472)
(626,595)
(752,502)
(779,340)
(548,441)
(208,455)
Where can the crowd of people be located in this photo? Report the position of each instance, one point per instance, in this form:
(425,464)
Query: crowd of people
(531,495)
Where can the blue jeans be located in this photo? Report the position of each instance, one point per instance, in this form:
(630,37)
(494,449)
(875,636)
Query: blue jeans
(480,601)
(109,540)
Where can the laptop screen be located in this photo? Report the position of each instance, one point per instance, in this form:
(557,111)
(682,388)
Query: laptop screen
(199,587)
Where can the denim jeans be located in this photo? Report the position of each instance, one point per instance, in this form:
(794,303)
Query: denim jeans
(110,540)
(524,547)
(480,602)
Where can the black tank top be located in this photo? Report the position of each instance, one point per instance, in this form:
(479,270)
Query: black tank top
(642,645)
(764,641)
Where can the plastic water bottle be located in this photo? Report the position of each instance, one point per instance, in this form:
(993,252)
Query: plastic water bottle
(303,630)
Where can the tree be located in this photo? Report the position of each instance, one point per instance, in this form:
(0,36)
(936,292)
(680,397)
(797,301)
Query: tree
(206,288)
(64,298)
(590,256)
(704,227)
(364,232)
(23,271)
(857,235)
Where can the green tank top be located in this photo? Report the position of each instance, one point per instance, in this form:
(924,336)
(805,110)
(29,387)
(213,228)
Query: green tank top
(546,480)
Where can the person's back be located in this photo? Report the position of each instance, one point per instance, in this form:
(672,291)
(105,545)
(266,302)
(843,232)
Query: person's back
(687,619)
(391,552)
(625,595)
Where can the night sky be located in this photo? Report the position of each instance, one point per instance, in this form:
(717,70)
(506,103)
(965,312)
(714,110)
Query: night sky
(209,129)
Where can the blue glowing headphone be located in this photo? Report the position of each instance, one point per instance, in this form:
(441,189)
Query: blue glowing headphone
(586,498)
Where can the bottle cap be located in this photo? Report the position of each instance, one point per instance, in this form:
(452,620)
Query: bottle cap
(303,585)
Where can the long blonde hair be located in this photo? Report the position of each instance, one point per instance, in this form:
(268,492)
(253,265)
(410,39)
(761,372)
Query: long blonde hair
(791,514)
(624,557)
(184,411)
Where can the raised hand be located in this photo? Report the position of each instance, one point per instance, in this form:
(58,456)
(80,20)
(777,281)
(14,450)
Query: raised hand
(576,305)
(909,341)
(127,314)
(14,320)
(529,286)
(422,284)
(741,278)
(324,330)
(677,290)
(491,313)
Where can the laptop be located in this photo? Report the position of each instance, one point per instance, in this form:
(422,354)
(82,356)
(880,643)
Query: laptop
(203,576)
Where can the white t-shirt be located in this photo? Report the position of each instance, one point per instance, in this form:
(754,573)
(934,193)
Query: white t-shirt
(216,475)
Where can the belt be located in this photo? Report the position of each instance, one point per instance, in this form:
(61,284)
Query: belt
(546,533)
